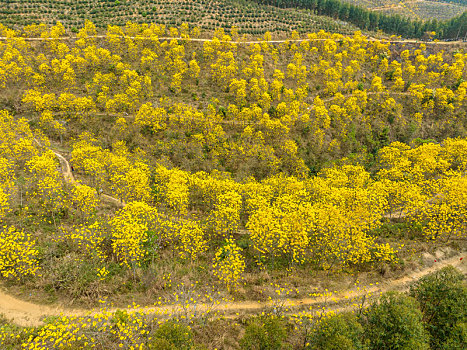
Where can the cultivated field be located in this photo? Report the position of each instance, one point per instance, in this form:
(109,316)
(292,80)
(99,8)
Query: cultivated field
(415,9)
(209,15)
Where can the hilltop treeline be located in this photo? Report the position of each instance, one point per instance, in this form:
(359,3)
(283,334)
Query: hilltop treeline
(369,20)
(460,2)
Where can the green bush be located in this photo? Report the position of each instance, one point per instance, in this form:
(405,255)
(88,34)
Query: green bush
(172,335)
(443,300)
(265,333)
(395,322)
(160,344)
(457,338)
(337,332)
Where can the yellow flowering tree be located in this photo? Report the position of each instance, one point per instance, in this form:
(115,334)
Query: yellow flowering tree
(130,227)
(18,254)
(224,219)
(85,199)
(191,240)
(229,264)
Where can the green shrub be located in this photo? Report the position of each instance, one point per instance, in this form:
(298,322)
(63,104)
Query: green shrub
(457,338)
(395,322)
(443,300)
(160,344)
(337,332)
(177,335)
(265,333)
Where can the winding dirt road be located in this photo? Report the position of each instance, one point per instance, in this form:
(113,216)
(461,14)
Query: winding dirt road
(25,313)
(247,42)
(28,314)
(245,123)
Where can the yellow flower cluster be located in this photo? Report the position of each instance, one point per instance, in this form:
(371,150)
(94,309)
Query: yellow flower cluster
(192,242)
(16,148)
(85,199)
(18,254)
(6,184)
(4,202)
(172,188)
(326,219)
(229,264)
(428,184)
(326,97)
(324,86)
(46,183)
(125,175)
(224,219)
(130,228)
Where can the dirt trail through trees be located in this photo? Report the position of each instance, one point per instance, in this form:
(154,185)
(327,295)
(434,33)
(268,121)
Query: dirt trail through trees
(68,176)
(28,314)
(66,168)
(244,123)
(408,41)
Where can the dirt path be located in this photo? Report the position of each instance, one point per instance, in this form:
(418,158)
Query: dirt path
(69,177)
(28,314)
(65,38)
(66,169)
(245,123)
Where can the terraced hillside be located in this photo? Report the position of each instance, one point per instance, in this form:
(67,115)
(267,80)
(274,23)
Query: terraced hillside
(372,20)
(248,16)
(408,19)
(415,9)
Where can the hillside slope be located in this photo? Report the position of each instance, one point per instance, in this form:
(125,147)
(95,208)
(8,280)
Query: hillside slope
(249,17)
(407,19)
(147,164)
(415,9)
(371,20)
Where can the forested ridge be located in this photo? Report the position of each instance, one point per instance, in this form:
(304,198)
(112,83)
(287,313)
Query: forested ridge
(373,21)
(250,17)
(462,2)
(209,15)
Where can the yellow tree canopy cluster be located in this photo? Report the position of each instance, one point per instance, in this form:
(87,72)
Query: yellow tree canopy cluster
(18,150)
(327,96)
(229,263)
(222,136)
(327,219)
(123,174)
